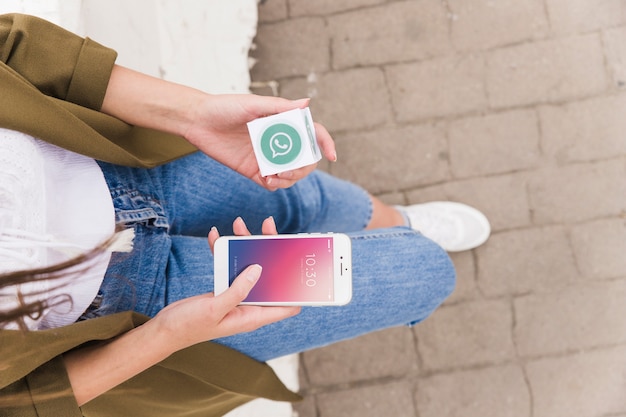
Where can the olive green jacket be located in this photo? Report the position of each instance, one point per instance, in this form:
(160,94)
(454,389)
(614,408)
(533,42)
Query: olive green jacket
(52,84)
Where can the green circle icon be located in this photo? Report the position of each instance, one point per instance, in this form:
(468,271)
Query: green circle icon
(281,144)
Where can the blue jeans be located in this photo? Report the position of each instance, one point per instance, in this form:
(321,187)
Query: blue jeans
(400,277)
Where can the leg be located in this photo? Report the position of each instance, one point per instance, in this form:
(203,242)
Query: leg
(408,278)
(158,203)
(199,193)
(384,216)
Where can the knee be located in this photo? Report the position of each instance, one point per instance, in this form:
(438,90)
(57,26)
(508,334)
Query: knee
(401,272)
(444,273)
(436,278)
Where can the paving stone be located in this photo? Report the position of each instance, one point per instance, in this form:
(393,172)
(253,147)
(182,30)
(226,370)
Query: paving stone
(303,377)
(306,51)
(498,391)
(397,158)
(393,198)
(616,55)
(437,88)
(587,384)
(494,144)
(328,7)
(585,131)
(305,408)
(508,211)
(381,354)
(486,24)
(466,334)
(546,71)
(466,288)
(600,247)
(353,99)
(578,192)
(579,16)
(546,291)
(271,10)
(426,194)
(575,318)
(397,32)
(262,89)
(391,399)
(520,261)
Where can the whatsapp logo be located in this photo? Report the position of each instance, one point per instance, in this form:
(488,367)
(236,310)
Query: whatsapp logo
(281,144)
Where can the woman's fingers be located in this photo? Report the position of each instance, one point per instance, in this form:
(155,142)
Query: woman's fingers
(205,317)
(238,291)
(240,228)
(269,226)
(288,178)
(325,142)
(213,236)
(233,318)
(212,309)
(261,106)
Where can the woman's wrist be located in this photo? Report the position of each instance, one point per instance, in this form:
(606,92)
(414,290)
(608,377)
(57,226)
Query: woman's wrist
(147,101)
(169,332)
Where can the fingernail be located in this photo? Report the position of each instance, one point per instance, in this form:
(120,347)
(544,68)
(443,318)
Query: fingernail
(213,229)
(334,157)
(254,273)
(268,180)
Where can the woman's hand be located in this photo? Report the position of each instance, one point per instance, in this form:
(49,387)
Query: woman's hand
(215,124)
(219,129)
(205,317)
(95,369)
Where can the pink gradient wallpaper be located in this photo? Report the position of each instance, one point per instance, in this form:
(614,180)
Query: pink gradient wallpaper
(294,270)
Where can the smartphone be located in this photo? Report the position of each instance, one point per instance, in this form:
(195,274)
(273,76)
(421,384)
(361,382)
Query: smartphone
(305,269)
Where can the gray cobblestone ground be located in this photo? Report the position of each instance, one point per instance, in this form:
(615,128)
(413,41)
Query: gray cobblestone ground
(515,107)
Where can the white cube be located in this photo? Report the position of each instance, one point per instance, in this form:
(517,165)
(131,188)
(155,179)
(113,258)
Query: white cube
(284,141)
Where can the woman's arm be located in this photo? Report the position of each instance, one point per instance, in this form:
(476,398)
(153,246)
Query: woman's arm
(215,124)
(96,369)
(83,72)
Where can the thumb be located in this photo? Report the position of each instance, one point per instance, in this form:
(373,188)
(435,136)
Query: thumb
(242,285)
(301,103)
(252,274)
(264,105)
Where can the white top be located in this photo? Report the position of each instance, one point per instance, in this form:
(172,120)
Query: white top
(54,205)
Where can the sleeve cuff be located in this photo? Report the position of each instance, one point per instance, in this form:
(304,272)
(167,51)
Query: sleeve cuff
(91,75)
(51,391)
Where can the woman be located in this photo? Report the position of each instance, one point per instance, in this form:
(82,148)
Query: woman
(92,148)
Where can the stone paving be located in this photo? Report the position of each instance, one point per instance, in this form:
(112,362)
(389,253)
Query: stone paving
(515,107)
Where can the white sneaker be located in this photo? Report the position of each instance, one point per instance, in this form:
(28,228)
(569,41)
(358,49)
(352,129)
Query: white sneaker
(453,226)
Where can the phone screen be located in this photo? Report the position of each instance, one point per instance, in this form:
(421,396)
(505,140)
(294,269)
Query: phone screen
(294,270)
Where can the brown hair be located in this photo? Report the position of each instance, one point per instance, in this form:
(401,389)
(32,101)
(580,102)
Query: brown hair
(54,274)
